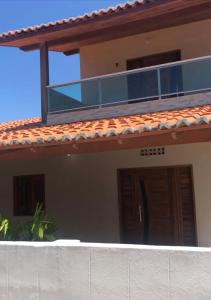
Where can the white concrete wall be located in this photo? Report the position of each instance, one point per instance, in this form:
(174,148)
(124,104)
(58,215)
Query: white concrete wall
(82,195)
(193,39)
(65,271)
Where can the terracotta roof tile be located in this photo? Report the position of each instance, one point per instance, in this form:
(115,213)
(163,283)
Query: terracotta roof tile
(86,17)
(32,131)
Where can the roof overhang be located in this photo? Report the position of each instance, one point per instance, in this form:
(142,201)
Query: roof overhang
(70,35)
(184,135)
(31,139)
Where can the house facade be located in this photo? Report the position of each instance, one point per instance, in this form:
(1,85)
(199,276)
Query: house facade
(123,155)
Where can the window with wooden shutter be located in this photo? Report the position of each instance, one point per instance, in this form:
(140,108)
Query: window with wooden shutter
(28,191)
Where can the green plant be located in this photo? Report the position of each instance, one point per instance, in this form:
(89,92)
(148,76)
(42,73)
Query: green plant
(40,228)
(4,227)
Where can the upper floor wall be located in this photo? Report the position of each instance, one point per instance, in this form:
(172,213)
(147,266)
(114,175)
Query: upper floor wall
(192,39)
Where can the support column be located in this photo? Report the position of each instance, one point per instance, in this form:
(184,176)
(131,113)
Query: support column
(44,80)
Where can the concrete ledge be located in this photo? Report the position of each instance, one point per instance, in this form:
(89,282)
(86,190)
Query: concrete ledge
(130,109)
(66,270)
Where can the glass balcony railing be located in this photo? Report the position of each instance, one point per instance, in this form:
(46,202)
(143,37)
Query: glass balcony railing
(163,81)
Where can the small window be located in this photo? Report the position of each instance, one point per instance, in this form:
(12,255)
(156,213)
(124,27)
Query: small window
(28,191)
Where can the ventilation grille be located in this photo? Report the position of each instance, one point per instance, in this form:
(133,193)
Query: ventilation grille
(152,151)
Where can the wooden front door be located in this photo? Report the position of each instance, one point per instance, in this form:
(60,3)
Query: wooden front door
(157,206)
(145,84)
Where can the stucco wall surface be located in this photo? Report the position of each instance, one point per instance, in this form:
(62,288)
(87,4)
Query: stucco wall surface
(81,191)
(111,56)
(69,270)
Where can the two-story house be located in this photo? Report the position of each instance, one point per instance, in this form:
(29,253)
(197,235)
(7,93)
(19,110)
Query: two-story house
(124,154)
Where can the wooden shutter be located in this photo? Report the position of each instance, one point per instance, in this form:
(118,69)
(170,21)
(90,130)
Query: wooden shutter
(131,226)
(167,205)
(185,209)
(159,207)
(37,190)
(28,191)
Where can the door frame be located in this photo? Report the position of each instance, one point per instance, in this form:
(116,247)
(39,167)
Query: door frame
(137,169)
(177,53)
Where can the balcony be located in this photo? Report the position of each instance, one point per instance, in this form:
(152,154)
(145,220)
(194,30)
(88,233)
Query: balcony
(165,81)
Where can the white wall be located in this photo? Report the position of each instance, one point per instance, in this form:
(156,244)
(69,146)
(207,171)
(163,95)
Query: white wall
(193,39)
(65,271)
(110,57)
(81,192)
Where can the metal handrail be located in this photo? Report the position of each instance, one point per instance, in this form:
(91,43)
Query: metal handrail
(177,63)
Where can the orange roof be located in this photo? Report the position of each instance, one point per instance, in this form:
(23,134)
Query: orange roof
(33,132)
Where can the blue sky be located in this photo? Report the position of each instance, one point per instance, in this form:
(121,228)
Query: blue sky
(19,71)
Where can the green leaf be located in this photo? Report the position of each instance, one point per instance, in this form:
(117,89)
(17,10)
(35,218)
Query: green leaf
(41,233)
(39,228)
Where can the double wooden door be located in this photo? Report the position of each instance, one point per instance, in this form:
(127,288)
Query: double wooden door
(157,206)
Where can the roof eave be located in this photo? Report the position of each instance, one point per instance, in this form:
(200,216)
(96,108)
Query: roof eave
(71,36)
